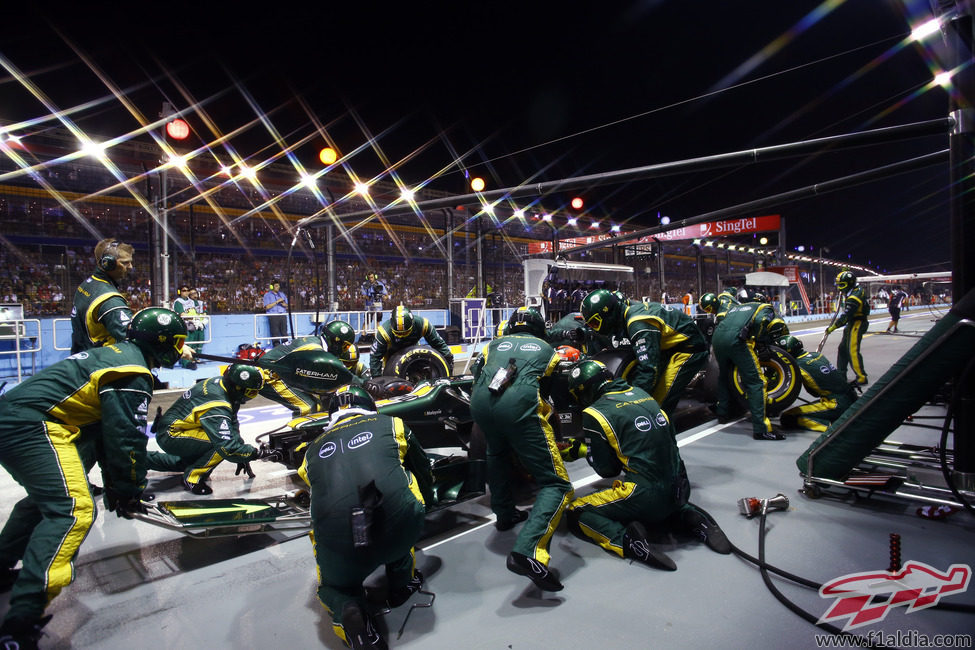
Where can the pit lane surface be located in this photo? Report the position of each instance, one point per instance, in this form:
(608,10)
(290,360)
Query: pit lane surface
(139,585)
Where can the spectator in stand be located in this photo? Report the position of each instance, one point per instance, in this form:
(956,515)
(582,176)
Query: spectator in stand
(276,306)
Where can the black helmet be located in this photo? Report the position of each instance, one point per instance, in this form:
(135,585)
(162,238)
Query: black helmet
(526,320)
(603,311)
(586,379)
(337,335)
(777,329)
(709,303)
(845,280)
(159,333)
(246,381)
(351,397)
(401,320)
(790,344)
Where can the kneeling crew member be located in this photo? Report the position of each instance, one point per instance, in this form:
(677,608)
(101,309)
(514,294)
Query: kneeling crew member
(369,482)
(822,380)
(200,429)
(626,431)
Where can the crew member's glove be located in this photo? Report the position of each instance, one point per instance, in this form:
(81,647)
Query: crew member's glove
(266,452)
(449,358)
(122,506)
(831,329)
(246,469)
(373,389)
(577,334)
(743,334)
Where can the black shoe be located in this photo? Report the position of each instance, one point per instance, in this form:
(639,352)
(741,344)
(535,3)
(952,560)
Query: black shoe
(508,524)
(699,523)
(200,488)
(8,576)
(22,633)
(359,629)
(637,547)
(399,596)
(769,435)
(534,570)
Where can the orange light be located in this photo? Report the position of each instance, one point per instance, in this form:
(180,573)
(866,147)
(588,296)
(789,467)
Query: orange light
(178,129)
(477,184)
(328,155)
(576,203)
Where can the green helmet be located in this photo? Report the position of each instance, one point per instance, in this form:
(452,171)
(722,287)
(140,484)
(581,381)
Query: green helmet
(349,356)
(845,280)
(159,333)
(401,320)
(585,381)
(790,344)
(526,320)
(243,381)
(603,311)
(777,329)
(709,303)
(337,335)
(351,397)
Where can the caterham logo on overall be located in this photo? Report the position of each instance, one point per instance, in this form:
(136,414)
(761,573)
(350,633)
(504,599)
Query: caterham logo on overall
(304,372)
(327,450)
(361,439)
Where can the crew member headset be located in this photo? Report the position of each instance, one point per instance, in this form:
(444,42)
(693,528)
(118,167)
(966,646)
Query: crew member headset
(109,259)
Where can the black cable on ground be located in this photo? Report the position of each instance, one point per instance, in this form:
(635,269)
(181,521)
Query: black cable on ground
(764,570)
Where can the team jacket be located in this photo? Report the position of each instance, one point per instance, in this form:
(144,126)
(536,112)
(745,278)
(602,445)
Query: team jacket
(386,342)
(111,385)
(727,299)
(744,322)
(626,430)
(820,377)
(359,448)
(653,328)
(205,413)
(855,307)
(534,359)
(100,314)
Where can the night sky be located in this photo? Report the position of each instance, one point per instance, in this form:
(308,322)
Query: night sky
(533,91)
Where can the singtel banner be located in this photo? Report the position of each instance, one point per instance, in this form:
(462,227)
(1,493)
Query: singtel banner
(708,229)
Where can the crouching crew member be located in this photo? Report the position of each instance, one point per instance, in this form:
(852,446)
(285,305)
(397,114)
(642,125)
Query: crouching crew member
(626,431)
(401,331)
(822,380)
(200,429)
(337,338)
(39,438)
(369,482)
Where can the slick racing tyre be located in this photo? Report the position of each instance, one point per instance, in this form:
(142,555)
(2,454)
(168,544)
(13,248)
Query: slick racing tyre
(417,363)
(782,380)
(619,361)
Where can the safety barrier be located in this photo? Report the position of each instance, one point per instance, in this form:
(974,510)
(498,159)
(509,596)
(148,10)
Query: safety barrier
(19,332)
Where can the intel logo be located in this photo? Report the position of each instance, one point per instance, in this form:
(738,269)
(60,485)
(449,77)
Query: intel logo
(327,450)
(530,347)
(361,439)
